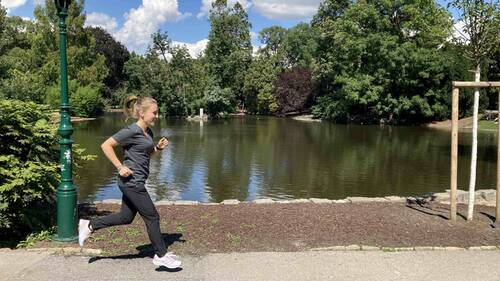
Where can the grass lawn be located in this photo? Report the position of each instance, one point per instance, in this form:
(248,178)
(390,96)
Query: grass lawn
(485,125)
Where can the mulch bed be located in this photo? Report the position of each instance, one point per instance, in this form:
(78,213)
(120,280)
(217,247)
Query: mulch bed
(202,229)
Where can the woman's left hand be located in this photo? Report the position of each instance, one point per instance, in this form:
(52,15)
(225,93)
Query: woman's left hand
(162,143)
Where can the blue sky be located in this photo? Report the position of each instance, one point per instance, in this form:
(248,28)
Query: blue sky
(132,21)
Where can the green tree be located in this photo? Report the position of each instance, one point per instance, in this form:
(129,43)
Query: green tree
(116,56)
(146,76)
(273,39)
(218,101)
(170,75)
(3,14)
(229,51)
(300,45)
(381,59)
(162,44)
(259,86)
(86,65)
(29,53)
(187,81)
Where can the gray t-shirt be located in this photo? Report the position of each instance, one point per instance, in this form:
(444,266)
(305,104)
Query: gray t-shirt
(137,148)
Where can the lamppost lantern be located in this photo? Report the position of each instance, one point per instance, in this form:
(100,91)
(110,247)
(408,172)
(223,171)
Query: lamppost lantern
(66,192)
(62,5)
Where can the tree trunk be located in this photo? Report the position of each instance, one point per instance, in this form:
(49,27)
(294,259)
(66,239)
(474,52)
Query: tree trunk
(473,161)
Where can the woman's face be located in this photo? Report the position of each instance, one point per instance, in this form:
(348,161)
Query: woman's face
(150,115)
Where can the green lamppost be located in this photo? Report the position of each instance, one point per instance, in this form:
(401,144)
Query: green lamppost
(66,191)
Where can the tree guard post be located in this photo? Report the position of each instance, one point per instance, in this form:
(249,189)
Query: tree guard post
(454,155)
(454,146)
(497,213)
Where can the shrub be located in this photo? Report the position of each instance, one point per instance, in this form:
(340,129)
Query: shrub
(87,101)
(29,168)
(28,164)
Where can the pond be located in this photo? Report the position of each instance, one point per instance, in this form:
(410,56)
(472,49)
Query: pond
(253,157)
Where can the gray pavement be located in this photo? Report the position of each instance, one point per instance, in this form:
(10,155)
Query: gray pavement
(313,265)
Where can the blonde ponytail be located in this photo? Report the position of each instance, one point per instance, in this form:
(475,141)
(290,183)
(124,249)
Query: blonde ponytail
(132,105)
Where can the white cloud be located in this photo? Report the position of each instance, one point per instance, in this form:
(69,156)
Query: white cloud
(102,20)
(207,5)
(196,49)
(184,16)
(143,21)
(459,32)
(286,9)
(11,4)
(254,35)
(39,2)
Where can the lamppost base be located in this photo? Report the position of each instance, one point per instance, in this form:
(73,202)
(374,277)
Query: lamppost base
(61,239)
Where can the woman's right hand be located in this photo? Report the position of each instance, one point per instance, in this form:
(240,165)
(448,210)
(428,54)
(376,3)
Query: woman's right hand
(124,171)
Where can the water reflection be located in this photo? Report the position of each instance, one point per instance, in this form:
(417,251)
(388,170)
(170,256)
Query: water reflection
(260,157)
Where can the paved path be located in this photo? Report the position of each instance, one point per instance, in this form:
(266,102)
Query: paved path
(314,265)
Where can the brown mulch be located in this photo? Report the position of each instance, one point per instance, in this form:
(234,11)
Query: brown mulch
(202,229)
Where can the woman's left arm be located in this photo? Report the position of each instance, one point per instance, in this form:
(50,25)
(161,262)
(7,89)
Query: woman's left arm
(162,143)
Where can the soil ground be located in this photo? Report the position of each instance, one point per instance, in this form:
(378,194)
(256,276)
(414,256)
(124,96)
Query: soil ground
(203,229)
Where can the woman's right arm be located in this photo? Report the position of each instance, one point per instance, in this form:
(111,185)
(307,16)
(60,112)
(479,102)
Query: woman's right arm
(108,149)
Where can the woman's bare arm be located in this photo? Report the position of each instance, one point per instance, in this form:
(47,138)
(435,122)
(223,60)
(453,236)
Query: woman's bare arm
(108,149)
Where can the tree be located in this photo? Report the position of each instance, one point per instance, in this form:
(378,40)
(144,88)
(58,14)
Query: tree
(218,100)
(168,74)
(481,25)
(146,76)
(273,38)
(87,66)
(29,53)
(116,56)
(259,86)
(300,45)
(229,50)
(162,44)
(381,60)
(294,90)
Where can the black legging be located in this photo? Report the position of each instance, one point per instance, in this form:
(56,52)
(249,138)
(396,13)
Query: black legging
(135,199)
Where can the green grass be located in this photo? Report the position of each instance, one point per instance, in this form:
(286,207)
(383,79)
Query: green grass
(235,239)
(35,237)
(485,125)
(132,231)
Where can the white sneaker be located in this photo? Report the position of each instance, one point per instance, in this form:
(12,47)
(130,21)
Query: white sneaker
(83,231)
(169,260)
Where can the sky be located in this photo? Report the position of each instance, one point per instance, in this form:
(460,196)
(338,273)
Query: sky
(132,21)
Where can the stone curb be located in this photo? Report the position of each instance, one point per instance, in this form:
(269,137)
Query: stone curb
(76,251)
(73,251)
(482,197)
(366,248)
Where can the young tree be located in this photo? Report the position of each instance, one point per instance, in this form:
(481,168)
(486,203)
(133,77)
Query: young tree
(481,26)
